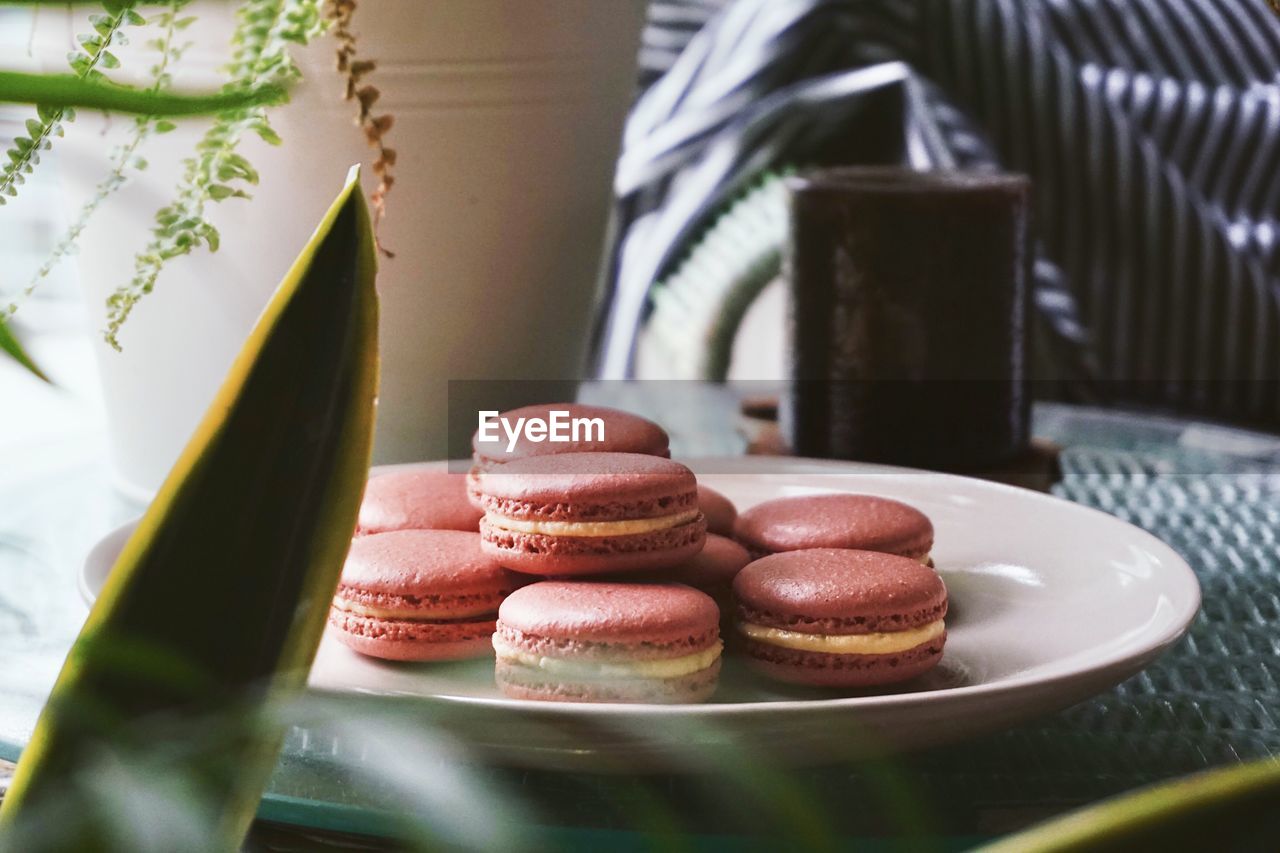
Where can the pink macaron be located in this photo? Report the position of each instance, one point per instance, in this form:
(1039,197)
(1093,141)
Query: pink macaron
(719,510)
(623,433)
(841,618)
(419,595)
(591,513)
(575,641)
(711,570)
(860,522)
(417,499)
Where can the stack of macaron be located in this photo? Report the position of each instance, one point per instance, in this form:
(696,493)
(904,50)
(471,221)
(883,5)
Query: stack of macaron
(842,592)
(602,571)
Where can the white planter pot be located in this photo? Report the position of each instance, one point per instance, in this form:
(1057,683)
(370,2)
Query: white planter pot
(507,122)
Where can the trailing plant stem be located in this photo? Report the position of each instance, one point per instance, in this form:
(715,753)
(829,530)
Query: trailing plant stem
(375,127)
(24,156)
(264,31)
(124,157)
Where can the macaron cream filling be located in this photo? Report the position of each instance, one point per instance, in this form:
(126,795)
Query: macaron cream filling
(624,527)
(878,643)
(411,614)
(676,667)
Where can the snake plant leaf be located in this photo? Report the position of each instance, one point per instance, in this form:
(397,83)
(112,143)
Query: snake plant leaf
(68,90)
(11,347)
(1236,808)
(218,600)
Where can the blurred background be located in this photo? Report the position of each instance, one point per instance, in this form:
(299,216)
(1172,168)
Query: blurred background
(1149,130)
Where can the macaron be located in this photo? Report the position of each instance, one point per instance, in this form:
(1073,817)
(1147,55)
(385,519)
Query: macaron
(623,432)
(419,595)
(590,513)
(712,569)
(417,499)
(833,617)
(576,641)
(861,522)
(719,510)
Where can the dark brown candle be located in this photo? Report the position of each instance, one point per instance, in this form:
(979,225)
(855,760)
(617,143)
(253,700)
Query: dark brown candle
(909,317)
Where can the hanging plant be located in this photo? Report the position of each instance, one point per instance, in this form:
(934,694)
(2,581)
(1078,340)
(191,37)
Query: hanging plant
(86,62)
(261,69)
(55,98)
(126,156)
(265,30)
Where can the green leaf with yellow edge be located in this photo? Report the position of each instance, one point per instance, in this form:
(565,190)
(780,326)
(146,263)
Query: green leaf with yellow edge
(12,347)
(1235,808)
(218,600)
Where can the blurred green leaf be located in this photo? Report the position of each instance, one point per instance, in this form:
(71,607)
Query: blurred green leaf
(11,347)
(216,605)
(1236,808)
(67,90)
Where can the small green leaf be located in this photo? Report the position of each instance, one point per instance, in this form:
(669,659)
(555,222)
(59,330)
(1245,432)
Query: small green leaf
(164,126)
(238,165)
(267,134)
(218,192)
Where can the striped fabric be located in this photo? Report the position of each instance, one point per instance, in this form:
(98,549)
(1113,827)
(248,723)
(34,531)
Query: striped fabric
(671,24)
(1151,129)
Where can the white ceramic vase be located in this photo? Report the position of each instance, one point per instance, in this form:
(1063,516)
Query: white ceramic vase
(508,117)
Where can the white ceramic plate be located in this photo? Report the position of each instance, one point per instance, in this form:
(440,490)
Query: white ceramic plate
(1051,603)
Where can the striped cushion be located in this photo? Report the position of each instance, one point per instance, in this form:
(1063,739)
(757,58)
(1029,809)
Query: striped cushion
(1151,128)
